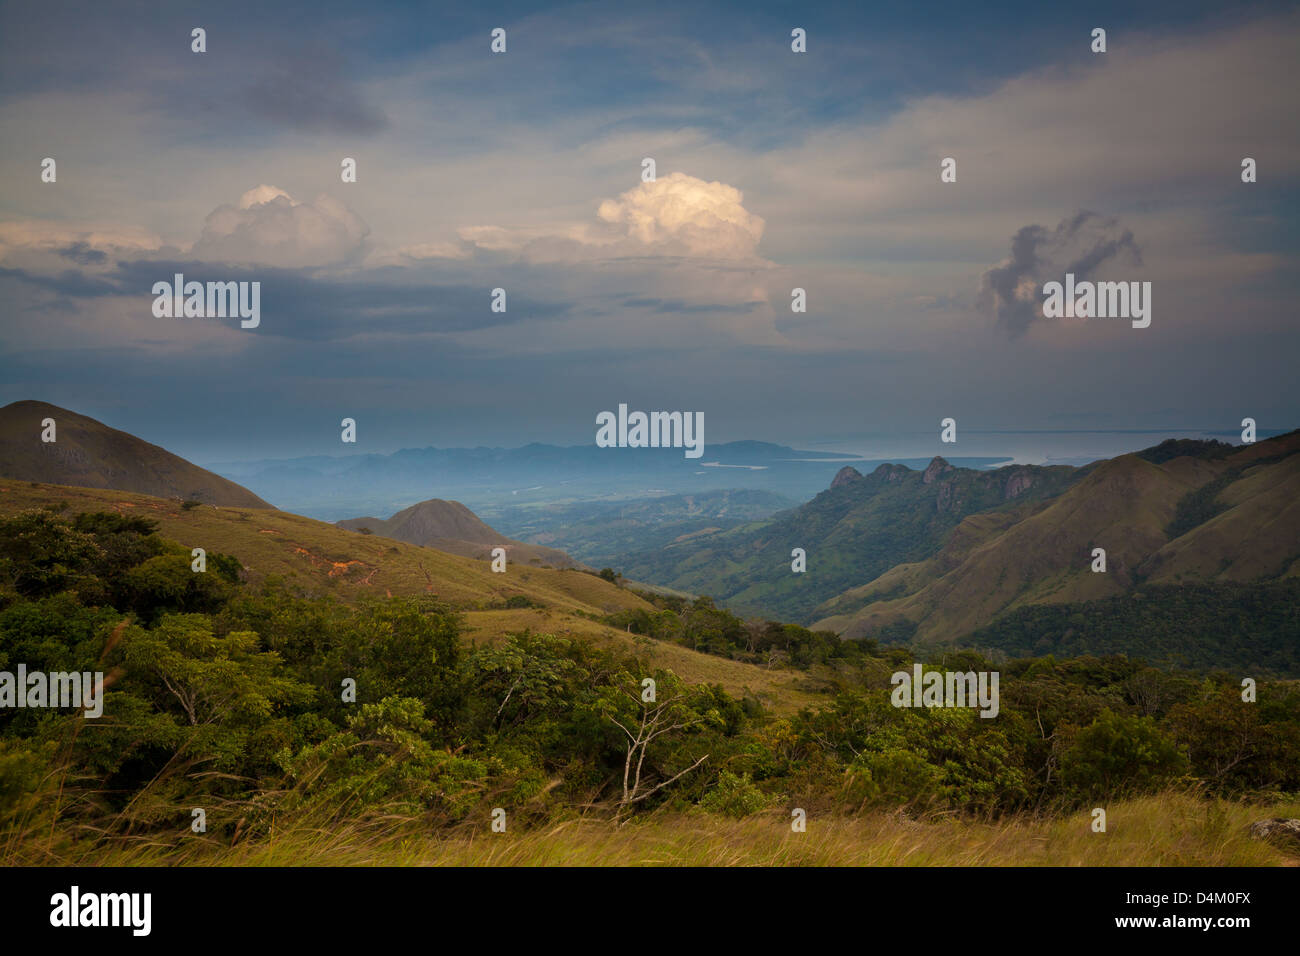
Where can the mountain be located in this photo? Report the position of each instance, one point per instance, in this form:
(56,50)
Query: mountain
(1199,514)
(89,454)
(490,480)
(857,529)
(450,526)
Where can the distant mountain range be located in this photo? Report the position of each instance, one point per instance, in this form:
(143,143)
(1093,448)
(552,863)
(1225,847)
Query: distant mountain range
(90,454)
(491,481)
(450,526)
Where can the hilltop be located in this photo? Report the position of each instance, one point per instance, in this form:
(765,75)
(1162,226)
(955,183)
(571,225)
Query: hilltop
(89,454)
(450,526)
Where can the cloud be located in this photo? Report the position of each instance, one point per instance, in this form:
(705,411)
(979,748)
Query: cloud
(1080,244)
(268,227)
(311,91)
(682,215)
(83,254)
(676,215)
(73,240)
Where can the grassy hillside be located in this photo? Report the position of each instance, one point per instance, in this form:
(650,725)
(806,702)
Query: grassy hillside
(317,558)
(859,528)
(1201,517)
(1249,532)
(781,690)
(90,454)
(296,720)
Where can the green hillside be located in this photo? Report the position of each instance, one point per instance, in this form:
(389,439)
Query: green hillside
(600,533)
(1195,518)
(858,529)
(1247,629)
(320,560)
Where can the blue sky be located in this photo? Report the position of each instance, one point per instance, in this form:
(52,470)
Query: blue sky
(523,171)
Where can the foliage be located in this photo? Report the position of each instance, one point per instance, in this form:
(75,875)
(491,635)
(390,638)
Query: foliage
(234,697)
(1224,624)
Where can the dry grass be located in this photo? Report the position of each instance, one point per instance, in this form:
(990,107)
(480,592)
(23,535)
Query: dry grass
(322,559)
(1165,830)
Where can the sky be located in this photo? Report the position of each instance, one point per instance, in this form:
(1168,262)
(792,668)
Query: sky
(523,170)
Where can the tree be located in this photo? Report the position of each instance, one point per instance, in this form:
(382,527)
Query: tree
(212,679)
(524,677)
(1235,745)
(168,582)
(41,554)
(647,725)
(401,648)
(1117,755)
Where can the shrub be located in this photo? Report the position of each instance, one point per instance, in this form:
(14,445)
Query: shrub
(735,796)
(1119,755)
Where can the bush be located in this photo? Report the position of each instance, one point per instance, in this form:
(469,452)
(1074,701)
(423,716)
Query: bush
(1118,756)
(735,796)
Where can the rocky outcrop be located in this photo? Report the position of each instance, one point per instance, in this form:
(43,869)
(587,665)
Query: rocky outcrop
(891,472)
(845,475)
(1279,831)
(935,470)
(1018,481)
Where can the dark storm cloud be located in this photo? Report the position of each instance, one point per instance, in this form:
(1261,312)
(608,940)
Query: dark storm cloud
(305,306)
(69,283)
(82,254)
(1080,244)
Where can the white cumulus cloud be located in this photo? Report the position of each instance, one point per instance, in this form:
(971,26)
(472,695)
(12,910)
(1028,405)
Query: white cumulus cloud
(269,227)
(676,215)
(680,214)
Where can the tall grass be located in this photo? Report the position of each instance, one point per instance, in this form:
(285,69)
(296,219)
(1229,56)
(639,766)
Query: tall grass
(1171,829)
